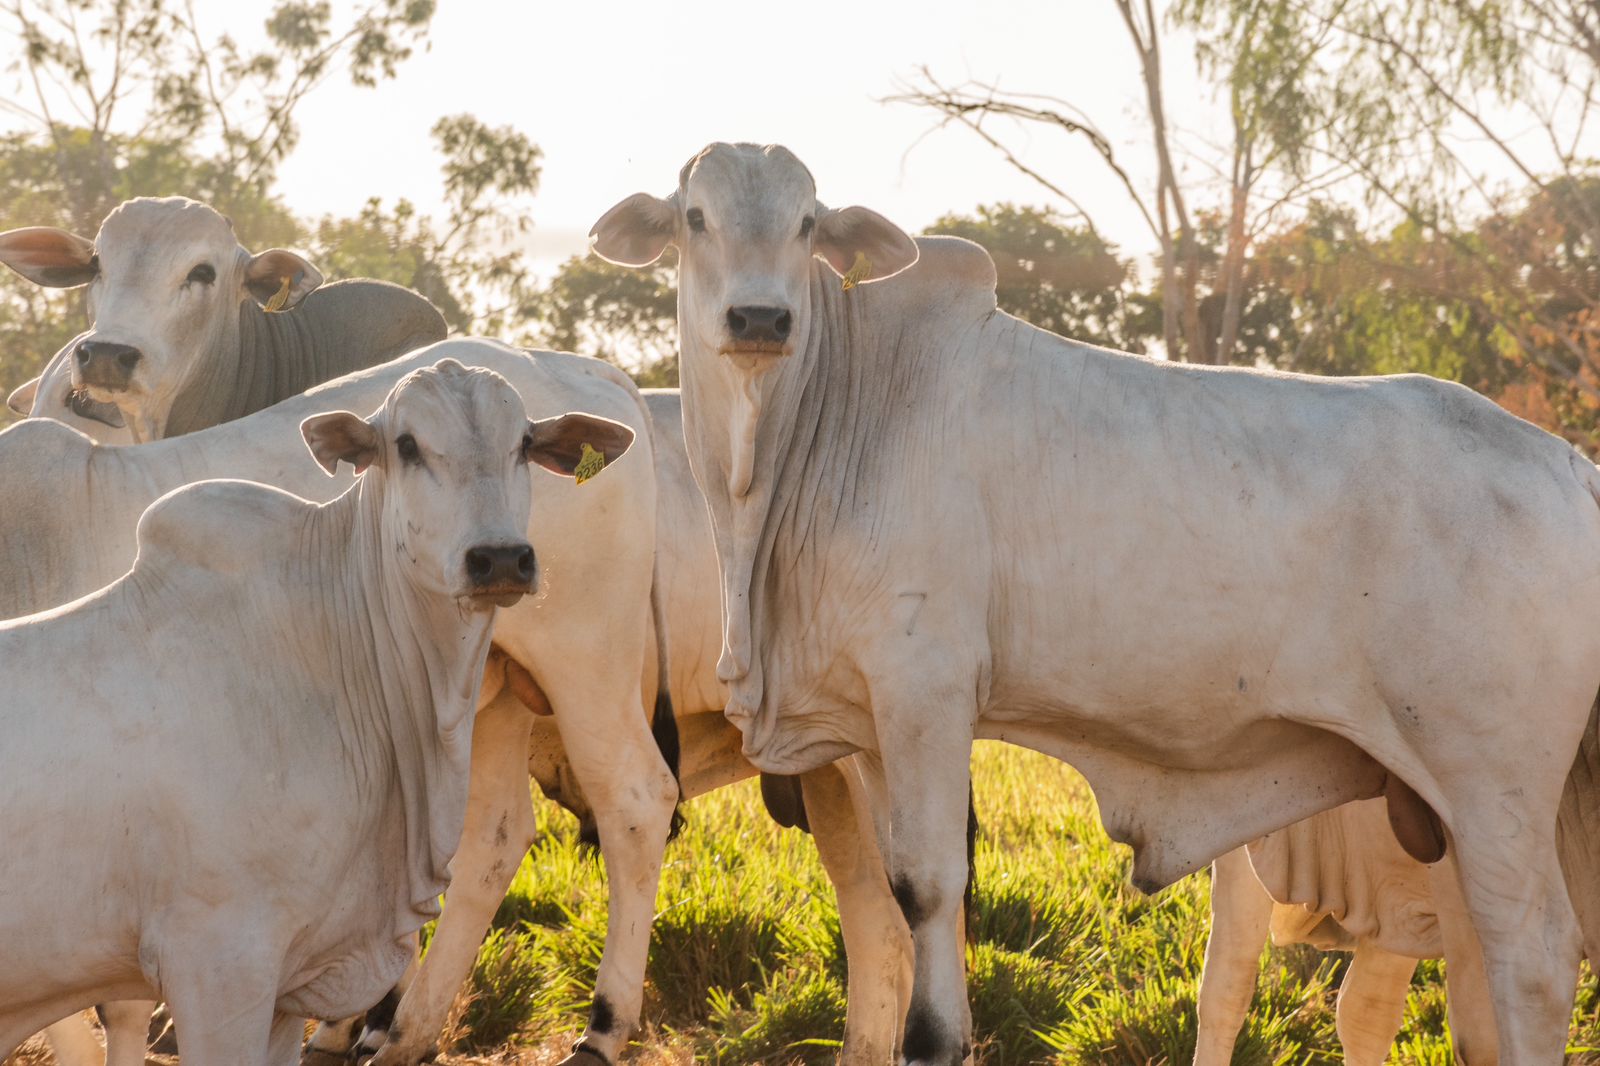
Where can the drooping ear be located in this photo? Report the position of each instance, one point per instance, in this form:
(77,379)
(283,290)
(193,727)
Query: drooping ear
(48,256)
(557,443)
(636,231)
(279,279)
(21,398)
(850,231)
(340,435)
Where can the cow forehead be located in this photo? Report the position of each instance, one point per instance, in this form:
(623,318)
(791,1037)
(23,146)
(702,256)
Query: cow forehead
(156,229)
(452,404)
(756,181)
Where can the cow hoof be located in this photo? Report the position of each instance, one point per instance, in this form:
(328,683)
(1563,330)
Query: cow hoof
(582,1056)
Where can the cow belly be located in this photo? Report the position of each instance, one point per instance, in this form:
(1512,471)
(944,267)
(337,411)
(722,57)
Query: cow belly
(1178,819)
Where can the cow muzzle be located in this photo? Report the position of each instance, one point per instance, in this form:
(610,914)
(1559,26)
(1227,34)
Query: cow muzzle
(105,365)
(499,575)
(758,330)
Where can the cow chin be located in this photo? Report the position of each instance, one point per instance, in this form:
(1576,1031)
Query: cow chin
(489,599)
(757,356)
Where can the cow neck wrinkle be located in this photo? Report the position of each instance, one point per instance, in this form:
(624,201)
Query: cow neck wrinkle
(414,695)
(818,413)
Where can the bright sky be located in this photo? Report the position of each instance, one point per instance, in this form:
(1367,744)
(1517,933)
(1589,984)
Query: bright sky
(618,96)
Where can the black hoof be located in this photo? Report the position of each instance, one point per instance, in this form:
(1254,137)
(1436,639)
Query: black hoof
(584,1056)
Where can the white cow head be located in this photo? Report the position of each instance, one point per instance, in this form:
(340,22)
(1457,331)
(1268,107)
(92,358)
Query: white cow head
(746,223)
(449,449)
(166,278)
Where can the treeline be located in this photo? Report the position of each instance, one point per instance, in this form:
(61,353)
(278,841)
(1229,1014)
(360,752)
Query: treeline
(1346,231)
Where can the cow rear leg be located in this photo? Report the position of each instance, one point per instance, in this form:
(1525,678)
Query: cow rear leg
(1513,887)
(498,831)
(926,753)
(1372,1004)
(1240,913)
(877,943)
(72,1042)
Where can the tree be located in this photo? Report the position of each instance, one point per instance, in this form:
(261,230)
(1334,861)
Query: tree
(1055,274)
(131,97)
(468,265)
(625,316)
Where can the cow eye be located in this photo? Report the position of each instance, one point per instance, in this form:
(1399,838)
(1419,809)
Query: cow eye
(406,445)
(205,274)
(806,225)
(94,264)
(527,447)
(697,219)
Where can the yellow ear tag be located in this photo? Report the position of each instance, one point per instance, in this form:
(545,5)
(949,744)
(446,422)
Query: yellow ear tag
(590,463)
(280,297)
(858,271)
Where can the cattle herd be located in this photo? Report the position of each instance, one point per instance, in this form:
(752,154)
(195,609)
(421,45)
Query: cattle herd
(1338,638)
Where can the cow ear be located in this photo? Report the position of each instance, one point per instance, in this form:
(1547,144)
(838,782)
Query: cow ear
(557,444)
(636,231)
(883,248)
(21,398)
(279,279)
(340,435)
(48,256)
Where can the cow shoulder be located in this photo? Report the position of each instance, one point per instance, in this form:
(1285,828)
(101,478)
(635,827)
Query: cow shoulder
(219,526)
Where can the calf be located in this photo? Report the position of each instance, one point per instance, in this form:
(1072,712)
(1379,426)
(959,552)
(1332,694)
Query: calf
(271,672)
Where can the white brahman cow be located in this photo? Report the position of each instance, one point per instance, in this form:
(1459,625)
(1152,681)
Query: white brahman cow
(1232,598)
(70,507)
(1340,881)
(877,942)
(190,329)
(271,674)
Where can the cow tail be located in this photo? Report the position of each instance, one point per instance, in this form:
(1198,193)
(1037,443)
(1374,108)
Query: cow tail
(663,722)
(1578,835)
(1578,817)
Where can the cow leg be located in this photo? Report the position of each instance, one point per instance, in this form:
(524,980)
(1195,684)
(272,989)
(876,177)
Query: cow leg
(127,1026)
(1512,882)
(331,1043)
(1372,1004)
(1240,913)
(498,831)
(877,943)
(1472,1030)
(283,1041)
(632,795)
(926,757)
(223,1019)
(72,1042)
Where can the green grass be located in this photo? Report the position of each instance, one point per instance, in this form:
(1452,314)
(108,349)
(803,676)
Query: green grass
(1069,964)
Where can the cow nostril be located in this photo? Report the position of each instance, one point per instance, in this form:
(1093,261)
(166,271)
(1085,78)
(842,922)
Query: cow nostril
(525,564)
(129,359)
(479,565)
(737,323)
(83,355)
(781,325)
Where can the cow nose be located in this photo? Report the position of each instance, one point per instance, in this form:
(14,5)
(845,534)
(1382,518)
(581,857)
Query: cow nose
(500,566)
(106,364)
(759,324)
